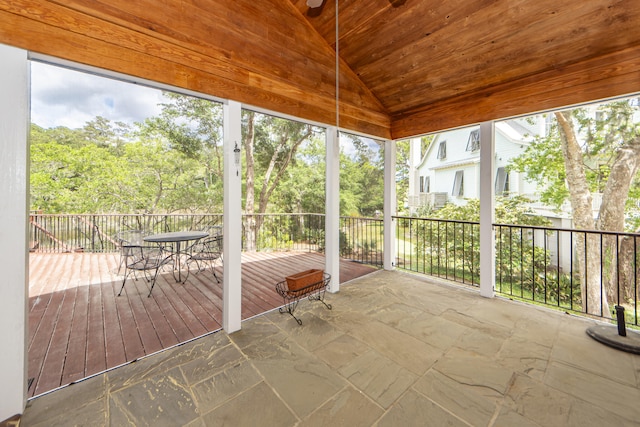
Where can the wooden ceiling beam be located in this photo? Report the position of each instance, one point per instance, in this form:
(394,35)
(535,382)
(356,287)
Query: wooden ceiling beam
(611,75)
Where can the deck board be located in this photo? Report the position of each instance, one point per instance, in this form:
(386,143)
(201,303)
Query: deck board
(78,326)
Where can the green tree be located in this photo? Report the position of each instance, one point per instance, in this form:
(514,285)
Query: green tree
(454,240)
(588,152)
(270,145)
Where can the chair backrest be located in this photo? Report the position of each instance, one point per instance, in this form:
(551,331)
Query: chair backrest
(131,237)
(146,257)
(213,230)
(209,245)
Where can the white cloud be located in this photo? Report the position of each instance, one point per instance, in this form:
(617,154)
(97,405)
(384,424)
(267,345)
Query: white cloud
(62,97)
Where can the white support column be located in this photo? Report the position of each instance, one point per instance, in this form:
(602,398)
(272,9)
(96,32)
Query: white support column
(332,213)
(232,243)
(389,204)
(487,211)
(415,155)
(14,211)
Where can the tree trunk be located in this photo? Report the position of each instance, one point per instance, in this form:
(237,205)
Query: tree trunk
(587,245)
(611,216)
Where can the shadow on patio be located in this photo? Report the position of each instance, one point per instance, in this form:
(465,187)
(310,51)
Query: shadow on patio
(396,349)
(79,327)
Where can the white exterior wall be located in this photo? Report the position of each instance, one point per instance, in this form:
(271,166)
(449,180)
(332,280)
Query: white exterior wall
(511,140)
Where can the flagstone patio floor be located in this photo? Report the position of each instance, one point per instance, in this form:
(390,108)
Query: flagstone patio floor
(395,350)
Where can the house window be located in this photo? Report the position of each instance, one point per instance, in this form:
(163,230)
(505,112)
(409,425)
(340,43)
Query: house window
(442,150)
(502,181)
(424,184)
(458,184)
(474,140)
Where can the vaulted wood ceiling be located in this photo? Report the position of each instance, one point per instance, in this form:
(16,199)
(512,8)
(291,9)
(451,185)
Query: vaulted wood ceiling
(422,66)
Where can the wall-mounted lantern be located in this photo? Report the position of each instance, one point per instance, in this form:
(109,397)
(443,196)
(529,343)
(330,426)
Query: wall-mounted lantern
(236,156)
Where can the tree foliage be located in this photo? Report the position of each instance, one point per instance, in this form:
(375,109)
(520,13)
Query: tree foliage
(591,151)
(173,163)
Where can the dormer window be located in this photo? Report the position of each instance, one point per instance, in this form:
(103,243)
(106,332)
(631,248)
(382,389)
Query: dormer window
(474,140)
(442,150)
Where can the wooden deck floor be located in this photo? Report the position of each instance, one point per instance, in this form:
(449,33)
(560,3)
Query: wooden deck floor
(79,327)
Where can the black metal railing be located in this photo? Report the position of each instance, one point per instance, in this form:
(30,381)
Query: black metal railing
(96,232)
(575,270)
(360,238)
(443,248)
(283,232)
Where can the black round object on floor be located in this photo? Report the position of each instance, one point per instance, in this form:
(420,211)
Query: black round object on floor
(608,334)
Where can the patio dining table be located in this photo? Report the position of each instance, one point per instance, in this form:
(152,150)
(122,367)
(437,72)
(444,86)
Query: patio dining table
(176,237)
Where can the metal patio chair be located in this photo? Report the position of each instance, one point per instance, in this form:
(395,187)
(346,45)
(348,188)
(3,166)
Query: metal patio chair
(205,253)
(128,239)
(147,259)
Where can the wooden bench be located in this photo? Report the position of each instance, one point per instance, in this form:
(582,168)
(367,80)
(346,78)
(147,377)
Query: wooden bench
(314,291)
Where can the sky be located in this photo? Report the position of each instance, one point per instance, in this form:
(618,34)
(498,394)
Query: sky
(63,97)
(69,98)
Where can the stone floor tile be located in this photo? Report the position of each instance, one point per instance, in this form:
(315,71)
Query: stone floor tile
(485,375)
(90,414)
(341,351)
(407,351)
(162,400)
(583,352)
(198,422)
(477,325)
(394,313)
(416,410)
(538,402)
(298,376)
(349,408)
(258,406)
(314,332)
(158,363)
(467,402)
(218,389)
(208,365)
(597,390)
(510,418)
(434,330)
(378,377)
(525,357)
(257,329)
(585,414)
(481,342)
(497,311)
(85,396)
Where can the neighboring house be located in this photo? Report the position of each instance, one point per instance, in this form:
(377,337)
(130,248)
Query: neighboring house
(450,169)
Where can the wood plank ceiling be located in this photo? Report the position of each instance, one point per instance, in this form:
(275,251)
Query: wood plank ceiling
(422,66)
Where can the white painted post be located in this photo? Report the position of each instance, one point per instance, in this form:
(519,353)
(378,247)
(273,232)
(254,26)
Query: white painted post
(415,155)
(390,207)
(332,212)
(232,243)
(14,210)
(487,211)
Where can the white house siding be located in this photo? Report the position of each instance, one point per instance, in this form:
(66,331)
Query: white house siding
(512,138)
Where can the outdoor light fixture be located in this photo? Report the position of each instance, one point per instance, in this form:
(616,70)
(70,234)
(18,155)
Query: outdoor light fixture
(236,156)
